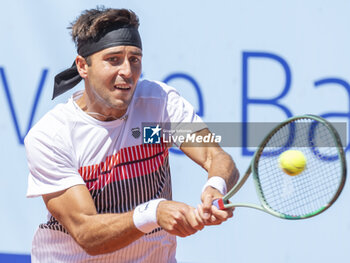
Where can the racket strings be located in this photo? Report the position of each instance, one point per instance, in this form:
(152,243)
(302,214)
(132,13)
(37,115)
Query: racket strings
(307,182)
(317,185)
(313,197)
(311,191)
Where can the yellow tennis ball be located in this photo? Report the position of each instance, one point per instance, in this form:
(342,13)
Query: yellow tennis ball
(292,162)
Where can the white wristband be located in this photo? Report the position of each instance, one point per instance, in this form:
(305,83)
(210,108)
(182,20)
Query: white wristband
(145,215)
(218,183)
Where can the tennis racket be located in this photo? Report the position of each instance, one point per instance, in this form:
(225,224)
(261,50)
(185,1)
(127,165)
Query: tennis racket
(304,195)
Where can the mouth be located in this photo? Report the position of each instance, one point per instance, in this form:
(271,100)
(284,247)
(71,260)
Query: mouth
(122,87)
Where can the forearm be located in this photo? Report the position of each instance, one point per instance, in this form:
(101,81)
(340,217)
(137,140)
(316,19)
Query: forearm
(104,233)
(222,165)
(216,162)
(95,233)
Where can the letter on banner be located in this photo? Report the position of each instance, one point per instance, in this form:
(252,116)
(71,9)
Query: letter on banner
(249,100)
(344,84)
(11,105)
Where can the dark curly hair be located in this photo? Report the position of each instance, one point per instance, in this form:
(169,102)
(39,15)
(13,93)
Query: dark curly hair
(94,23)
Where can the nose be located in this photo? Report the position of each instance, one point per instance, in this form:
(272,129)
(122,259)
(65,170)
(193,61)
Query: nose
(125,69)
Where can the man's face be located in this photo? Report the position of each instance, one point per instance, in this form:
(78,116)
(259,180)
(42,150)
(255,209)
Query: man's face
(112,77)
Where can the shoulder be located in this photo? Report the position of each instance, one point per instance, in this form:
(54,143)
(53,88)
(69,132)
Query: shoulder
(51,126)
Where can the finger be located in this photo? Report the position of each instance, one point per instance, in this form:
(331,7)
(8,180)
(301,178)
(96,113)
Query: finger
(176,228)
(201,214)
(222,215)
(206,221)
(219,216)
(199,218)
(207,201)
(184,225)
(206,206)
(227,212)
(180,232)
(212,221)
(185,230)
(194,219)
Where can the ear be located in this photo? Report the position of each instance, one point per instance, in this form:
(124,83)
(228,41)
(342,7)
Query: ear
(82,66)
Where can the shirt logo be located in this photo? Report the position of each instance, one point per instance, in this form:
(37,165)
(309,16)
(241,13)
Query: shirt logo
(136,133)
(152,134)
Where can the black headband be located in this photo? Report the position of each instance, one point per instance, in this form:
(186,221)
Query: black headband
(122,36)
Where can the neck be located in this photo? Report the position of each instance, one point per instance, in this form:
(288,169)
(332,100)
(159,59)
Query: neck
(97,112)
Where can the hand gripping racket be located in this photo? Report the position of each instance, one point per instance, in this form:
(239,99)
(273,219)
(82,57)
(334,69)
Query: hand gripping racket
(304,195)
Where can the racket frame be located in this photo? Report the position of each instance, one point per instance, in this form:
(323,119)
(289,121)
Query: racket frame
(225,204)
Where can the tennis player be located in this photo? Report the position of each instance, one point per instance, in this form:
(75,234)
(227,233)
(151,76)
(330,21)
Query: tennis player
(109,195)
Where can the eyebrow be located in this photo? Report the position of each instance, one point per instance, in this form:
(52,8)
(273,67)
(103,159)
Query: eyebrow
(135,53)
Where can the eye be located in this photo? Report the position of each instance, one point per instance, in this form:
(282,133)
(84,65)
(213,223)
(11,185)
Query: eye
(135,60)
(112,59)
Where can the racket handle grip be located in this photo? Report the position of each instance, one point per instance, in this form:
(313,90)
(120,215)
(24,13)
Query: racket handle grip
(219,203)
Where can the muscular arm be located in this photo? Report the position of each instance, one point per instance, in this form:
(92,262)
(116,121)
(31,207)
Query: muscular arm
(95,233)
(105,233)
